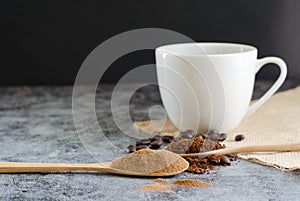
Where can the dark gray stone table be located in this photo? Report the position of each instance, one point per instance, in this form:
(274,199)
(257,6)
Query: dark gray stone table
(36,125)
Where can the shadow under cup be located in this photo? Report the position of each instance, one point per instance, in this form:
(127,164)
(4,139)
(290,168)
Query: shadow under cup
(208,86)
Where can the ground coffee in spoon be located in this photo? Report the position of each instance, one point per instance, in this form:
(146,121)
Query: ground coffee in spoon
(150,161)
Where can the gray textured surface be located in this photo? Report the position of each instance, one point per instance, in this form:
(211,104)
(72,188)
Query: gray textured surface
(36,125)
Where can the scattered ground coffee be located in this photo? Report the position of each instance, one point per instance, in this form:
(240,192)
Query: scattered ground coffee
(189,183)
(192,183)
(160,180)
(156,187)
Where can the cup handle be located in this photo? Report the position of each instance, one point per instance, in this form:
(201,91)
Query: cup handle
(283,72)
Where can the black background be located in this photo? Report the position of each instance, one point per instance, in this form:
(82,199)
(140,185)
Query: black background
(44,42)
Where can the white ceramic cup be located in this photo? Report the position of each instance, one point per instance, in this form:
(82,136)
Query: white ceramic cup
(208,86)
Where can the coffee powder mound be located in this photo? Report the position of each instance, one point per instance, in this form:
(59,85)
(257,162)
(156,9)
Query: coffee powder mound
(181,146)
(146,161)
(156,187)
(201,145)
(196,145)
(177,166)
(191,183)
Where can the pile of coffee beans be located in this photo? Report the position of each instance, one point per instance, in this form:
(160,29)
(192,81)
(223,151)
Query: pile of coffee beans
(189,142)
(157,141)
(215,136)
(154,142)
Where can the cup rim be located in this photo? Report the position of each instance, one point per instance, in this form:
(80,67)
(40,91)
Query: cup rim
(246,47)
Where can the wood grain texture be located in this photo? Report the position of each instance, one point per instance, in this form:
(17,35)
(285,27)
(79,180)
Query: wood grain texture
(249,149)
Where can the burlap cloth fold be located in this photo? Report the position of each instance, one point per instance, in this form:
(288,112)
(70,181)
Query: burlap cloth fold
(276,122)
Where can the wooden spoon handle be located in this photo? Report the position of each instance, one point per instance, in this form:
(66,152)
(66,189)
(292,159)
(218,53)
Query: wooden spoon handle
(247,149)
(20,167)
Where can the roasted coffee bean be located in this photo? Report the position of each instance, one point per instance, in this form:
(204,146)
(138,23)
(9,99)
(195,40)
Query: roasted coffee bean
(156,144)
(231,155)
(225,160)
(213,136)
(177,139)
(131,148)
(213,131)
(167,139)
(185,134)
(201,135)
(214,160)
(155,137)
(190,131)
(222,137)
(142,147)
(239,137)
(143,142)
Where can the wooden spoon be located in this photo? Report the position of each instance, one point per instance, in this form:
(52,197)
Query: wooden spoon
(22,167)
(247,149)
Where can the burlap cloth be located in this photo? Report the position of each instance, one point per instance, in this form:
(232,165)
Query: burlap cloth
(276,122)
